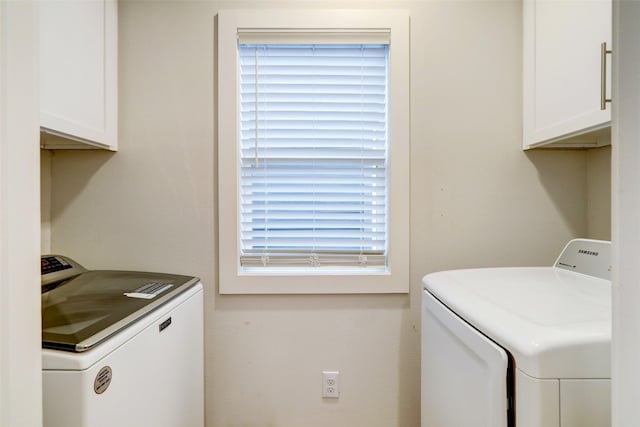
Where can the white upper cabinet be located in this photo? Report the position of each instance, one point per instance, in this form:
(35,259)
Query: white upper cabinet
(78,74)
(563,75)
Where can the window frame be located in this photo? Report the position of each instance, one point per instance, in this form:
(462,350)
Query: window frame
(231,279)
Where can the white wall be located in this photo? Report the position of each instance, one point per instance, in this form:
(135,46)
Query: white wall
(625,371)
(20,366)
(477,200)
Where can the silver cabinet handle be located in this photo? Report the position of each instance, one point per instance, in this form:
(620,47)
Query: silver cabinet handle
(603,76)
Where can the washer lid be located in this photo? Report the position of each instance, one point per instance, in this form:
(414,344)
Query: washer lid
(89,308)
(556,323)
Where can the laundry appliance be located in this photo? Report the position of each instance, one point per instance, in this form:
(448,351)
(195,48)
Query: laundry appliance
(525,347)
(120,348)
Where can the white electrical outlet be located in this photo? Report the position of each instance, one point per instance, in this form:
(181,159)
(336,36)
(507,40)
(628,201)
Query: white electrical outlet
(330,384)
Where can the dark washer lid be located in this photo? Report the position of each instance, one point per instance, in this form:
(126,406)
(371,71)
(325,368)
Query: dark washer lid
(94,305)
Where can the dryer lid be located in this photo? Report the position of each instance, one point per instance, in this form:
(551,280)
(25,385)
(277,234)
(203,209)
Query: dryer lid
(555,322)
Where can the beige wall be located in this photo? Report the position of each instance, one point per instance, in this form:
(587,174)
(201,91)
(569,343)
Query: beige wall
(599,193)
(45,201)
(477,200)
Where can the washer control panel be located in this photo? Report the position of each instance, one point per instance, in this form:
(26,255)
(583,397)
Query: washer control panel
(56,268)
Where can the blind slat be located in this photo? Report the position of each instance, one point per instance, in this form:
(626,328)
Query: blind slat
(319,208)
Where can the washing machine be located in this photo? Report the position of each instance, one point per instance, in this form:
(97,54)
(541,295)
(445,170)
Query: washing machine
(525,347)
(120,348)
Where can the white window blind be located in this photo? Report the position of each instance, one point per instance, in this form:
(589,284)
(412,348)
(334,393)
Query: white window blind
(313,156)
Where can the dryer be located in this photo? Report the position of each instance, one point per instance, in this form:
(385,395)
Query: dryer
(120,348)
(525,347)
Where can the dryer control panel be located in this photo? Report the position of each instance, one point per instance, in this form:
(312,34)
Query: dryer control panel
(590,257)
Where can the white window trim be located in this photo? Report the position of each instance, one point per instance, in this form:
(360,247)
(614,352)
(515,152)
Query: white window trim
(231,279)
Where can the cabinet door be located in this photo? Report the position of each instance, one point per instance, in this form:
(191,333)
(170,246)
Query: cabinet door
(78,70)
(562,68)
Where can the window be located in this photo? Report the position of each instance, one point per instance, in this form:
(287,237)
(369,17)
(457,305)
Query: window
(313,151)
